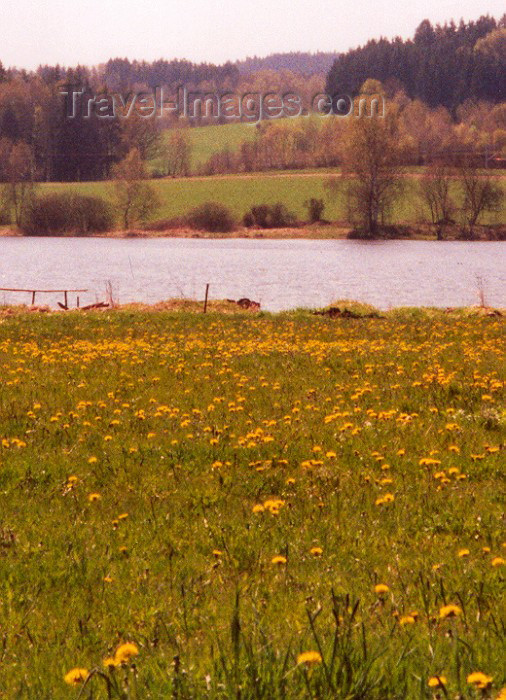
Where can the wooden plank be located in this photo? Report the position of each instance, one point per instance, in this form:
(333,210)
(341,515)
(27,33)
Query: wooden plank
(41,291)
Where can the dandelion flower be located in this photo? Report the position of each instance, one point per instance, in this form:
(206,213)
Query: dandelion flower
(381,588)
(463,553)
(94,497)
(76,676)
(316,551)
(125,652)
(450,610)
(407,620)
(309,657)
(436,681)
(110,662)
(497,561)
(479,680)
(279,559)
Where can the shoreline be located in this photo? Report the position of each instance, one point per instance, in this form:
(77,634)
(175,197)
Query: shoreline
(323,231)
(347,309)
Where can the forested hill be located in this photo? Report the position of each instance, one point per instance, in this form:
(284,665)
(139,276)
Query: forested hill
(296,61)
(441,65)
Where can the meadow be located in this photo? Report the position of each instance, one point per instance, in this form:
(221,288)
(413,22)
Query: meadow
(240,192)
(207,140)
(251,506)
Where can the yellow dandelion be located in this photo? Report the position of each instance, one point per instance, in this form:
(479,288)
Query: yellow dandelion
(316,551)
(279,559)
(125,652)
(479,680)
(497,561)
(429,462)
(309,657)
(463,553)
(92,460)
(110,662)
(94,497)
(258,508)
(76,676)
(381,588)
(450,610)
(407,620)
(437,682)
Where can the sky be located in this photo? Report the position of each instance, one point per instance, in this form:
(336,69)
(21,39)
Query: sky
(89,32)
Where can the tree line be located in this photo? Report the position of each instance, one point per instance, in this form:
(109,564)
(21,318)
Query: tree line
(443,65)
(447,85)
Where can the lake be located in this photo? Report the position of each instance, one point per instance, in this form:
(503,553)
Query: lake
(280,274)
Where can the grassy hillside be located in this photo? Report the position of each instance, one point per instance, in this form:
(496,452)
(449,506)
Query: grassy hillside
(292,505)
(241,192)
(207,140)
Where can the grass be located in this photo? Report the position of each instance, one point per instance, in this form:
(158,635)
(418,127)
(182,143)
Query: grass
(208,140)
(178,196)
(227,492)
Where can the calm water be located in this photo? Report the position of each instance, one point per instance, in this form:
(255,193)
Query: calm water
(280,274)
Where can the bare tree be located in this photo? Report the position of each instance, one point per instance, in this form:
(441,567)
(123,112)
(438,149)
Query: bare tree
(436,198)
(481,195)
(136,199)
(20,187)
(371,168)
(178,153)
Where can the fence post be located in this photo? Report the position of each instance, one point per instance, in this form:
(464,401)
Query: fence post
(205,300)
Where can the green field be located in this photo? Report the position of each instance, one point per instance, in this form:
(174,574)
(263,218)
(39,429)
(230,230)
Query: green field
(251,506)
(207,140)
(239,193)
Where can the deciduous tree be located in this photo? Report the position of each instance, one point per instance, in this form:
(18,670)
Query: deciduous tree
(136,199)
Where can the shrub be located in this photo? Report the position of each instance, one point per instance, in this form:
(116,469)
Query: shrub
(211,216)
(315,209)
(5,217)
(67,212)
(269,216)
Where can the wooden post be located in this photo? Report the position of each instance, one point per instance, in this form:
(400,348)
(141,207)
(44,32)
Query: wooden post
(65,299)
(77,302)
(33,298)
(205,300)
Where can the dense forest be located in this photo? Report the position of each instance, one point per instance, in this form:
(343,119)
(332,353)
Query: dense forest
(442,65)
(297,61)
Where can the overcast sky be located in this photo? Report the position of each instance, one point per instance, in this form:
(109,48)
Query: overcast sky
(91,31)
